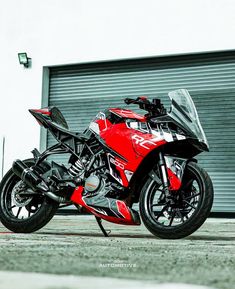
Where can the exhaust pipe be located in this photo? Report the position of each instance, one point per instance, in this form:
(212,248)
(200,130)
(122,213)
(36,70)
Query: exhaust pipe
(28,176)
(34,180)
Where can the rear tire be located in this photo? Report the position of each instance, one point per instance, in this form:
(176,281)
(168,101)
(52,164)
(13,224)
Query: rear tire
(192,209)
(41,208)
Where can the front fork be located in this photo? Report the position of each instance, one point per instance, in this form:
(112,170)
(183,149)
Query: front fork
(164,177)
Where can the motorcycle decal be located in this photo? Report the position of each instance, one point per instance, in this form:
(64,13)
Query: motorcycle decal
(112,169)
(167,136)
(142,142)
(180,137)
(100,211)
(116,168)
(116,163)
(128,174)
(140,126)
(122,209)
(111,210)
(159,134)
(94,126)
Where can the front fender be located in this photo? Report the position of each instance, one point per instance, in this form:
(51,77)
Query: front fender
(175,170)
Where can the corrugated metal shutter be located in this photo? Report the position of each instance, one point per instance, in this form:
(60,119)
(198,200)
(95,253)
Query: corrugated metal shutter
(80,91)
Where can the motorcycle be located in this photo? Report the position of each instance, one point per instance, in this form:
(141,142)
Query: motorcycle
(122,158)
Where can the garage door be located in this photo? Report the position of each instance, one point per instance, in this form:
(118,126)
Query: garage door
(80,91)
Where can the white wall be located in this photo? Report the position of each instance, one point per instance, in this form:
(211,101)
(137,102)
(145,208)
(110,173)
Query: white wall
(72,31)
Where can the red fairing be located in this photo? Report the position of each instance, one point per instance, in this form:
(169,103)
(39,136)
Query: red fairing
(123,210)
(126,113)
(129,142)
(77,198)
(133,145)
(103,124)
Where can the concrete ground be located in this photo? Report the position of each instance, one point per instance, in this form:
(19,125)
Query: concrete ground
(74,245)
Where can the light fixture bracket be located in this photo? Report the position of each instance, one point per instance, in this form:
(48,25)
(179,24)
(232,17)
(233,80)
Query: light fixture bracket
(24,59)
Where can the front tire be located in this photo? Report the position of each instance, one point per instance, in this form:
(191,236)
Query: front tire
(192,205)
(24,214)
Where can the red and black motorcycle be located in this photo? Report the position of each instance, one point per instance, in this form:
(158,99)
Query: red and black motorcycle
(121,159)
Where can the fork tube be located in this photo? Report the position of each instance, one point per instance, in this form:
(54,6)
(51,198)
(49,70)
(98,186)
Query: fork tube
(164,175)
(162,166)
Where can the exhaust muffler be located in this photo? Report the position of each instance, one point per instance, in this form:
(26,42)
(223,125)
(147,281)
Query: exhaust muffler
(34,180)
(29,176)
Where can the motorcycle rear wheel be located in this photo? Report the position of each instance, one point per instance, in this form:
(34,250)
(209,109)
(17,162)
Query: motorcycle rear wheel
(192,205)
(24,214)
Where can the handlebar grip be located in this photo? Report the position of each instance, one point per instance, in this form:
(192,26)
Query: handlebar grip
(129,100)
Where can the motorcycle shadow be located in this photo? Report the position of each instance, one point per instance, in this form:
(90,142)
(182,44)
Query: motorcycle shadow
(210,238)
(98,235)
(138,236)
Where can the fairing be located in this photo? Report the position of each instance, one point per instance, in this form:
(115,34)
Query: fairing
(134,136)
(111,210)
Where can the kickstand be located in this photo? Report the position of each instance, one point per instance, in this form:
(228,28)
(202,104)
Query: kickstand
(99,221)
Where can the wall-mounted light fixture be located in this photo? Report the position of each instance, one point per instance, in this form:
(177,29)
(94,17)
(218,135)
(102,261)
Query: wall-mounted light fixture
(24,59)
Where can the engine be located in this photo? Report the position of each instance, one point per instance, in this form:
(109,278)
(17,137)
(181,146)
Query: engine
(93,181)
(92,184)
(90,171)
(93,176)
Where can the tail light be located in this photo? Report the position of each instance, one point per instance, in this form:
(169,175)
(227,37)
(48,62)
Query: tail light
(45,111)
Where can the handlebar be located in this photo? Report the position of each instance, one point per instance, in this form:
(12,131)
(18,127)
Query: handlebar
(138,100)
(129,101)
(153,108)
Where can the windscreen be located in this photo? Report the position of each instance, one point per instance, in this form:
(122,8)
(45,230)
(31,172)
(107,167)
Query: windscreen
(184,112)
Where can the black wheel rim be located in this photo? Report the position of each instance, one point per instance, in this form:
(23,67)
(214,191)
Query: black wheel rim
(30,204)
(186,201)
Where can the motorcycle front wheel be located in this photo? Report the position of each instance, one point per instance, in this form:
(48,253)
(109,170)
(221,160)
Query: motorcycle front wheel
(190,207)
(21,209)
